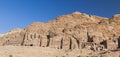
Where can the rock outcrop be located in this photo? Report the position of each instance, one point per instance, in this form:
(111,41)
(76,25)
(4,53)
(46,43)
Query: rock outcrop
(14,37)
(72,31)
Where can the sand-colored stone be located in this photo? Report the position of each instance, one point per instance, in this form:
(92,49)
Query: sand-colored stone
(72,31)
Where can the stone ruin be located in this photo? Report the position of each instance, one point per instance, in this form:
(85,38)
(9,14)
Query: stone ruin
(72,31)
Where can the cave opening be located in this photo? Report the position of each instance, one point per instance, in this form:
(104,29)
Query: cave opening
(70,45)
(90,39)
(104,43)
(48,40)
(31,44)
(61,44)
(119,42)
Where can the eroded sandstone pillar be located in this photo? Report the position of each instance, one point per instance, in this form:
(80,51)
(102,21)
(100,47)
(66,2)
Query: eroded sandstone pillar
(44,41)
(66,43)
(55,42)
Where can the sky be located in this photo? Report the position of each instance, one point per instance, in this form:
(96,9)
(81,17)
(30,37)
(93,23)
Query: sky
(21,13)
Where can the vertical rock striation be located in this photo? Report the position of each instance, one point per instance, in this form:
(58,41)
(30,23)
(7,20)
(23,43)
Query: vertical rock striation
(72,31)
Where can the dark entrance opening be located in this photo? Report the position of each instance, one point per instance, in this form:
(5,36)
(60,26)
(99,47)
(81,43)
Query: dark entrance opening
(90,39)
(31,44)
(119,42)
(48,40)
(104,43)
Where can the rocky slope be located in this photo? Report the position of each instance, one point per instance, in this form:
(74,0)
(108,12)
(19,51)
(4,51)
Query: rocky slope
(14,37)
(72,31)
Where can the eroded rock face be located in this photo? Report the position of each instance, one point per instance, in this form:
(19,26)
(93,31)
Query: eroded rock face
(14,37)
(72,31)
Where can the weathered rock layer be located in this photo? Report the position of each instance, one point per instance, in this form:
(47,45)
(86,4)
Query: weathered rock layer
(72,31)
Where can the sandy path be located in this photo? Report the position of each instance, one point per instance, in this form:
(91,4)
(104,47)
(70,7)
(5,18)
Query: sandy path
(21,51)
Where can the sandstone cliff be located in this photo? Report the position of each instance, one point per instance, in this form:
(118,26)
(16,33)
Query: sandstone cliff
(14,37)
(72,31)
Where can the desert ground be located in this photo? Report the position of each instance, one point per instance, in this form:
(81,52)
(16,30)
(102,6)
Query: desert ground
(35,51)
